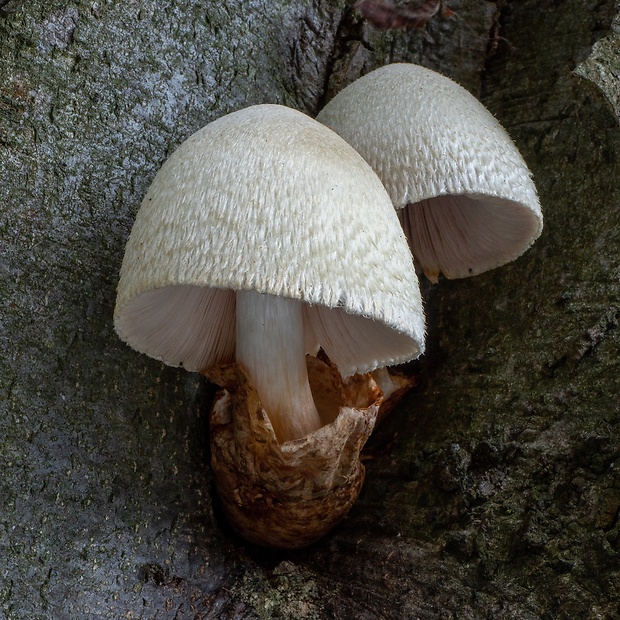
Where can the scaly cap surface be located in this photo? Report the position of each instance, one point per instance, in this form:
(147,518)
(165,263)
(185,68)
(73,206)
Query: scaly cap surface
(268,199)
(436,148)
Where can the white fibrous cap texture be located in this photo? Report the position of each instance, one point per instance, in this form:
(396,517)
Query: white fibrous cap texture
(439,151)
(268,199)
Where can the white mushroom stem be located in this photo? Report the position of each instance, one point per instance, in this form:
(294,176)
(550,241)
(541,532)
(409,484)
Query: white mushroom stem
(270,349)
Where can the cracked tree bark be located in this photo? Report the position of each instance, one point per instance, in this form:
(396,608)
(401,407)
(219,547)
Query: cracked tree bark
(493,490)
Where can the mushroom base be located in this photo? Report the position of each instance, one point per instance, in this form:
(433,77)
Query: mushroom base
(291,494)
(394,386)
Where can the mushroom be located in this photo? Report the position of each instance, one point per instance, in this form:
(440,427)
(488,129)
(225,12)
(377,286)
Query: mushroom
(250,246)
(463,192)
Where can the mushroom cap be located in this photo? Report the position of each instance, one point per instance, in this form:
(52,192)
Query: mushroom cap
(268,199)
(471,203)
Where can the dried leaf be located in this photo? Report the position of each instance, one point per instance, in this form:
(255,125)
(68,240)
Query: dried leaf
(446,12)
(406,16)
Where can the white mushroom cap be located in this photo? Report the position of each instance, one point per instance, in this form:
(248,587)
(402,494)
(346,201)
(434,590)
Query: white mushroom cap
(267,199)
(471,203)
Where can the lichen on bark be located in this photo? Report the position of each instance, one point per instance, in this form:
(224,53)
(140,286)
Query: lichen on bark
(601,65)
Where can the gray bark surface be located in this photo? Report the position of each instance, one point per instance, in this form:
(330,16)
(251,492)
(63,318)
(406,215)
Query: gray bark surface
(493,491)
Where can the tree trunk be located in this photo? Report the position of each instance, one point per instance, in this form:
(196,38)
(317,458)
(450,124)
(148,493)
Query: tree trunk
(493,491)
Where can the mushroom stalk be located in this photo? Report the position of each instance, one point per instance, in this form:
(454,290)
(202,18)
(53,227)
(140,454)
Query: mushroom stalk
(270,348)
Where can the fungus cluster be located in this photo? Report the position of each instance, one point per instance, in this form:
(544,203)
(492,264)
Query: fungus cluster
(267,255)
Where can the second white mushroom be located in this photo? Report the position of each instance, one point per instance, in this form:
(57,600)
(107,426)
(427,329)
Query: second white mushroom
(462,190)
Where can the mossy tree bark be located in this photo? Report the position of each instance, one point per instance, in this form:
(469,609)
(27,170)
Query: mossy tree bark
(494,489)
